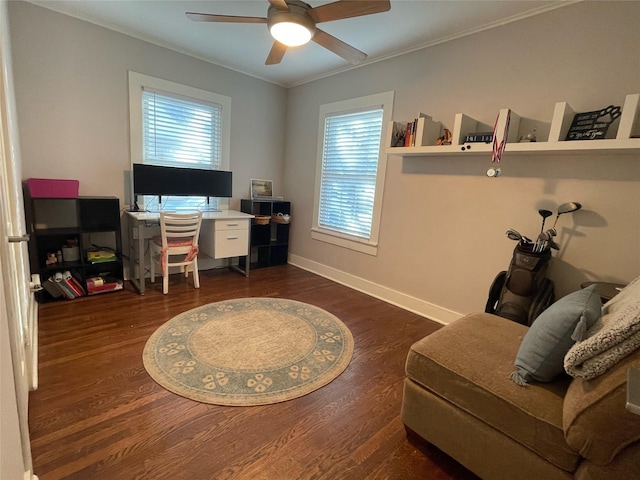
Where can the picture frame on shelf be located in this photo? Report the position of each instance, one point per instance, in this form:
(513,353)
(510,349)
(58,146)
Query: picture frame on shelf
(261,189)
(593,125)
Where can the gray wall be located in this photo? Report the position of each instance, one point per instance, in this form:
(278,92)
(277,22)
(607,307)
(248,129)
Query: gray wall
(443,221)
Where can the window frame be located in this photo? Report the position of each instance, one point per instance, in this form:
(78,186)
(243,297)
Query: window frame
(139,81)
(382,101)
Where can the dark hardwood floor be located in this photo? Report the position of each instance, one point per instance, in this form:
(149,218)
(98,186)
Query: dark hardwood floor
(98,415)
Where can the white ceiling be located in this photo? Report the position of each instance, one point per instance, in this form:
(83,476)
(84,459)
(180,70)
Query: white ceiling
(409,25)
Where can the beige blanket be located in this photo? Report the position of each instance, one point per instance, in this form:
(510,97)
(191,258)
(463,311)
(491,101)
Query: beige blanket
(613,337)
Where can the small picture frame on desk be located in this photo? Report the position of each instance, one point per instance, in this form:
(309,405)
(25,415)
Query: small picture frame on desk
(261,189)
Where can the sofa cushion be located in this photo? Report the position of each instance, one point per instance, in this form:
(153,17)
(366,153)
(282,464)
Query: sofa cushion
(541,354)
(595,421)
(468,362)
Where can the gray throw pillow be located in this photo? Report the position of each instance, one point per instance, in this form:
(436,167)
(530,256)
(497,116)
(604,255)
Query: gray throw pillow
(553,333)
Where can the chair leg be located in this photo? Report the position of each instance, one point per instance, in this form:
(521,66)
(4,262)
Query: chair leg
(165,276)
(152,263)
(196,276)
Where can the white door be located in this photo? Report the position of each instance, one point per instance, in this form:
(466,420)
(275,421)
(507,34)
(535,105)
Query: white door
(18,314)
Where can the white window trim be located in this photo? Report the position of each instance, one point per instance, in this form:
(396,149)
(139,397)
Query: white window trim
(369,246)
(136,83)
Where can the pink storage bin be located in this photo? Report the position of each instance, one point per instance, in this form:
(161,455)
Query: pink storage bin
(52,188)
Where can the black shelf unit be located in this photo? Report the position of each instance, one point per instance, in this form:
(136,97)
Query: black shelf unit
(270,242)
(89,221)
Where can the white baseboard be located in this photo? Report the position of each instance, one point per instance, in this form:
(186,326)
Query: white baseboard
(399,299)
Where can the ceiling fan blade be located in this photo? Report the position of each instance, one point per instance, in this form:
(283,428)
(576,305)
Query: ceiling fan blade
(209,17)
(347,9)
(279,4)
(276,53)
(349,53)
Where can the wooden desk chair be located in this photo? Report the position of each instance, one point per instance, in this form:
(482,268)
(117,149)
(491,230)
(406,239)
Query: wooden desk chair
(178,238)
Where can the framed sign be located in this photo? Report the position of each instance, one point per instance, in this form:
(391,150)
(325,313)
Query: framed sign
(261,189)
(592,125)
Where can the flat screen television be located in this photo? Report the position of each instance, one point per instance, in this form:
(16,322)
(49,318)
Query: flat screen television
(164,181)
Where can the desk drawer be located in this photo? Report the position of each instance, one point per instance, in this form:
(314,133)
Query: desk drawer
(231,243)
(221,225)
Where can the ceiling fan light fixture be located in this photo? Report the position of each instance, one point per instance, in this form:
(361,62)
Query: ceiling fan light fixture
(292,27)
(292,34)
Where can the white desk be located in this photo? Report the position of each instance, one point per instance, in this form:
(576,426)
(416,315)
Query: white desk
(223,234)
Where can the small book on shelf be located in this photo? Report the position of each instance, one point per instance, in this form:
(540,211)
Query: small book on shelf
(101,256)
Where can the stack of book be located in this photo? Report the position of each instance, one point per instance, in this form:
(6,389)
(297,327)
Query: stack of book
(63,284)
(97,285)
(101,256)
(423,131)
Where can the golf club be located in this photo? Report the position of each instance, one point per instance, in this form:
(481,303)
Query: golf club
(553,244)
(567,208)
(544,214)
(514,235)
(540,243)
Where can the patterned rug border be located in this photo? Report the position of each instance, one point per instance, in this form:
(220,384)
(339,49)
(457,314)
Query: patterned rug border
(326,342)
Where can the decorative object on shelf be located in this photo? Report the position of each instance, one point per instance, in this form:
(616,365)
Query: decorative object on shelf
(593,125)
(51,259)
(261,189)
(446,138)
(480,137)
(398,133)
(529,137)
(283,218)
(71,251)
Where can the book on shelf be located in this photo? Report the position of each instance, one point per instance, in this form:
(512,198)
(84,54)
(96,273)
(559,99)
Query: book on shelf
(73,284)
(64,284)
(101,256)
(77,282)
(64,287)
(415,130)
(52,289)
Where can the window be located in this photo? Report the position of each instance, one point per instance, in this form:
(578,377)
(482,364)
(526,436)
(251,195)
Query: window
(350,172)
(178,126)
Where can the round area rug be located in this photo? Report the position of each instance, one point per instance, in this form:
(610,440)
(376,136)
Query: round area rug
(248,351)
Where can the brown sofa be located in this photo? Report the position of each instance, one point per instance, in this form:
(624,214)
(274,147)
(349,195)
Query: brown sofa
(458,397)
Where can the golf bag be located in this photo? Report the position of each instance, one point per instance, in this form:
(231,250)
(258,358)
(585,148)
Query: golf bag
(523,292)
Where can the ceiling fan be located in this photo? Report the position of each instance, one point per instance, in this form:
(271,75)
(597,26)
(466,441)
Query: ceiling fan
(293,23)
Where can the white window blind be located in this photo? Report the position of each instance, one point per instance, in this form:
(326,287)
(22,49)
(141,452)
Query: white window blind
(349,167)
(180,133)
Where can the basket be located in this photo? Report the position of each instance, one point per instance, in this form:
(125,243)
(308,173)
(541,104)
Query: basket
(280,218)
(261,219)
